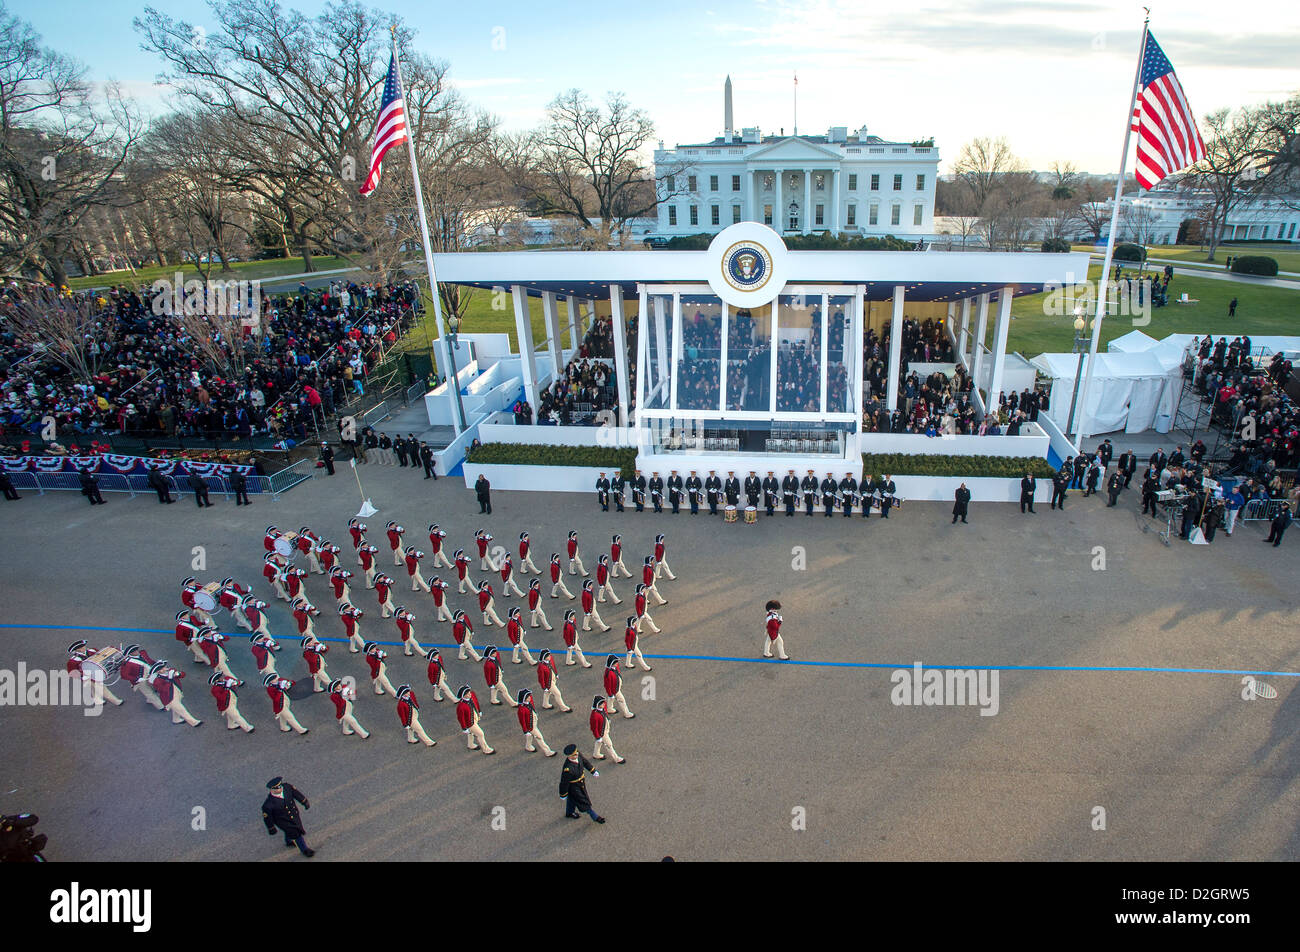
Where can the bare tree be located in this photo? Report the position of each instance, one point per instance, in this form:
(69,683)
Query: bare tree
(1094,194)
(69,331)
(1065,179)
(1232,173)
(981,165)
(1138,223)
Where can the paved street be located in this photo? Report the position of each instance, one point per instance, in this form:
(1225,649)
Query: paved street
(728,748)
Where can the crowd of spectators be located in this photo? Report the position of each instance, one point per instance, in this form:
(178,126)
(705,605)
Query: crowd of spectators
(310,352)
(586,386)
(1250,401)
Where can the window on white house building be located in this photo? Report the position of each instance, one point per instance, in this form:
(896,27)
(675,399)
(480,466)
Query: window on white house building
(898,183)
(920,183)
(695,214)
(873,215)
(713,183)
(690,183)
(735,214)
(672,215)
(735,183)
(671,184)
(895,215)
(767,214)
(853,182)
(917,212)
(715,215)
(820,215)
(851,219)
(875,183)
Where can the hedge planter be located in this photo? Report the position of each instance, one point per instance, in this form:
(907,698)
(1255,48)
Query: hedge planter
(965,467)
(608,458)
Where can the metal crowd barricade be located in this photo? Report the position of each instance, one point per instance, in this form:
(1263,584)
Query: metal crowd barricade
(290,476)
(1257,510)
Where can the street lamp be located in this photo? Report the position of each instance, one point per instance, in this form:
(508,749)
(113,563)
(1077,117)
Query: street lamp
(1082,344)
(453,327)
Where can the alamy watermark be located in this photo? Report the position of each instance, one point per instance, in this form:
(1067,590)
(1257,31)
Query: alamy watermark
(241,300)
(38,688)
(1125,297)
(919,686)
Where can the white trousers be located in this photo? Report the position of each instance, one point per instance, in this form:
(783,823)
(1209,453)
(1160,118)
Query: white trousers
(235,720)
(467,646)
(287,721)
(776,643)
(619,567)
(636,653)
(440,558)
(415,733)
(607,744)
(505,692)
(178,711)
(490,616)
(382,684)
(576,649)
(662,570)
(527,564)
(554,691)
(477,741)
(577,560)
(149,694)
(444,613)
(607,587)
(586,620)
(620,703)
(647,620)
(410,646)
(562,587)
(536,735)
(355,642)
(538,613)
(510,588)
(522,648)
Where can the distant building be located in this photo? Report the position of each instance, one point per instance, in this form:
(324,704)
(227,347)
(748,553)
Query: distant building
(1156,217)
(841,182)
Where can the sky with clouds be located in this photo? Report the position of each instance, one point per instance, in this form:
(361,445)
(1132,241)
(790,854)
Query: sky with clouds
(1052,76)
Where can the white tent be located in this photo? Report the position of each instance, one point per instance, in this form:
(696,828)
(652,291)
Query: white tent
(1132,341)
(1130,391)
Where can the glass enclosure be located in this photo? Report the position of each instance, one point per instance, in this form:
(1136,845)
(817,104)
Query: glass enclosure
(699,365)
(799,354)
(749,359)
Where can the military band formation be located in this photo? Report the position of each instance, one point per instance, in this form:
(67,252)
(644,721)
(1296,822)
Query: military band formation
(845,495)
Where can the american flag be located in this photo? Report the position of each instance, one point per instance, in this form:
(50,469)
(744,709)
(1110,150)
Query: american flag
(1168,140)
(391,128)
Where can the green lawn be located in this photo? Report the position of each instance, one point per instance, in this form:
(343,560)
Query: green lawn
(1260,310)
(241,270)
(487,313)
(1287,254)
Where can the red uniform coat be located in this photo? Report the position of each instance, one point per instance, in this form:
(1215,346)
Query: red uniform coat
(555,572)
(507,568)
(458,629)
(483,543)
(573,547)
(462,566)
(222,694)
(435,670)
(358,536)
(514,631)
(338,581)
(648,575)
(534,596)
(659,551)
(467,710)
(381,590)
(350,624)
(209,649)
(629,637)
(340,706)
(405,708)
(527,717)
(133,669)
(367,559)
(602,573)
(523,549)
(613,683)
(277,697)
(773,626)
(491,672)
(588,601)
(262,655)
(313,658)
(598,724)
(435,541)
(269,571)
(302,617)
(394,539)
(185,632)
(570,634)
(437,591)
(404,628)
(375,663)
(412,563)
(640,603)
(484,597)
(326,559)
(166,689)
(546,673)
(615,551)
(293,582)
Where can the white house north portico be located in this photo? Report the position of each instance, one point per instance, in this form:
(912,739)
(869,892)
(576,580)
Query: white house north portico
(843,182)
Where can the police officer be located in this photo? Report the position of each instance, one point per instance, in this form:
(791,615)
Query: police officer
(1028,486)
(158,483)
(239,483)
(327,457)
(573,785)
(89,487)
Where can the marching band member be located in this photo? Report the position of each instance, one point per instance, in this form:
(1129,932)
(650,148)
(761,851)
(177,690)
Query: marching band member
(436,535)
(527,715)
(229,597)
(79,652)
(277,689)
(602,581)
(887,491)
(508,585)
(351,616)
(413,557)
(408,713)
(384,592)
(394,532)
(467,715)
(693,485)
(135,668)
(339,582)
(187,630)
(547,678)
(269,537)
(483,539)
(210,641)
(463,632)
(163,680)
(642,609)
(638,490)
(588,603)
(619,488)
(614,686)
(328,554)
(790,492)
(753,489)
(189,588)
(487,605)
(713,489)
(557,580)
(462,571)
(342,695)
(405,621)
(493,675)
(598,721)
(867,491)
(223,689)
(307,542)
(368,555)
(535,604)
(616,556)
(661,564)
(773,625)
(437,674)
(602,491)
(829,488)
(675,492)
(375,656)
(808,486)
(631,640)
(575,558)
(438,589)
(570,632)
(263,647)
(313,652)
(849,491)
(526,555)
(770,489)
(648,579)
(657,491)
(293,581)
(357,529)
(515,632)
(273,571)
(303,612)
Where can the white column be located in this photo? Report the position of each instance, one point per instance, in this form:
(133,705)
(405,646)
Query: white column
(524,330)
(641,348)
(806,221)
(977,344)
(952,327)
(895,349)
(835,201)
(750,210)
(620,350)
(778,205)
(726,333)
(1000,343)
(826,321)
(775,325)
(965,332)
(661,344)
(551,321)
(571,305)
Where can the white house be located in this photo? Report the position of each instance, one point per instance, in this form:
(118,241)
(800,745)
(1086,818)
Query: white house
(840,182)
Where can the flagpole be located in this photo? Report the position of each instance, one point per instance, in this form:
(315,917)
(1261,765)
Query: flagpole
(424,227)
(1082,433)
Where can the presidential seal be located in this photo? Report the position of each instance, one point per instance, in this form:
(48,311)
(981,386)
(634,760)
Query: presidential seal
(746,266)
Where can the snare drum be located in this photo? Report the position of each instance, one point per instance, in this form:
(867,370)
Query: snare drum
(102,665)
(206,597)
(751,515)
(729,514)
(283,545)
